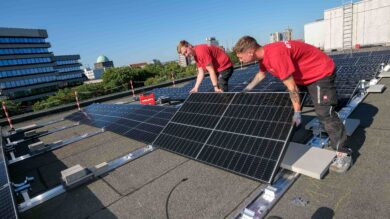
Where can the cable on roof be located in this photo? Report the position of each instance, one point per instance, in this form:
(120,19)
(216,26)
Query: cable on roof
(169,196)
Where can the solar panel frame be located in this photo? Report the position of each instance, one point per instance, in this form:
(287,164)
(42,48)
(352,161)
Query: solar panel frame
(195,152)
(7,200)
(140,122)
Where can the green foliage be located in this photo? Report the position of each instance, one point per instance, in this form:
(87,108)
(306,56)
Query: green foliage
(114,77)
(12,108)
(167,71)
(233,58)
(117,79)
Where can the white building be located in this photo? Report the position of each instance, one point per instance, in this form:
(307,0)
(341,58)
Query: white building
(93,74)
(361,23)
(185,61)
(315,33)
(212,41)
(288,34)
(275,37)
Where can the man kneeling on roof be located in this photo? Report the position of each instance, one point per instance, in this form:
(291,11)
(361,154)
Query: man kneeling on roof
(209,58)
(302,67)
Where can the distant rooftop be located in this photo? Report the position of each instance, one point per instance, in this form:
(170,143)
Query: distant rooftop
(102,58)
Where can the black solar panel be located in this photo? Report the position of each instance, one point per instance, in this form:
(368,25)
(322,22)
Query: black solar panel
(7,205)
(140,122)
(245,133)
(381,52)
(239,76)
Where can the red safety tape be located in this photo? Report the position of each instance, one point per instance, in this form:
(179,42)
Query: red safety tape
(77,100)
(6,114)
(132,88)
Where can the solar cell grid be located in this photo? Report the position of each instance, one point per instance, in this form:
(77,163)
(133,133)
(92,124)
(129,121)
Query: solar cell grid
(7,209)
(7,205)
(248,137)
(381,52)
(375,60)
(239,76)
(358,54)
(139,122)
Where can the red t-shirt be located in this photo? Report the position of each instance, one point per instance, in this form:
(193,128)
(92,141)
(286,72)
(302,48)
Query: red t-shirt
(209,54)
(304,62)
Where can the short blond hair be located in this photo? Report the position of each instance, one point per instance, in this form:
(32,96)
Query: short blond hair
(182,44)
(245,43)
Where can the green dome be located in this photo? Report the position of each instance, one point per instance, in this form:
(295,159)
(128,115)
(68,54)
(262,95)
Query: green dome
(101,59)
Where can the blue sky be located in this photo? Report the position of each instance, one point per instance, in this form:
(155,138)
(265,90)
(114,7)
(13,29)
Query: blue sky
(136,31)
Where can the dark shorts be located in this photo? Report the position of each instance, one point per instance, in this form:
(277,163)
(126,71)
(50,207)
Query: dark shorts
(223,78)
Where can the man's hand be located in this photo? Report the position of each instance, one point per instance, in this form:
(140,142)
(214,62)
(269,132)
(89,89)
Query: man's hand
(246,90)
(297,118)
(218,90)
(194,90)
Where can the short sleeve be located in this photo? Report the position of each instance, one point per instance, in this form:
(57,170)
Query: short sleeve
(282,65)
(205,57)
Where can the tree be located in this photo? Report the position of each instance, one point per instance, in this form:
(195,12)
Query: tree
(233,58)
(114,77)
(117,79)
(13,108)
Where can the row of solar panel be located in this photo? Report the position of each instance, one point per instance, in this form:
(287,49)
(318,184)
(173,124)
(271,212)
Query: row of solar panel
(360,54)
(242,133)
(378,59)
(7,206)
(348,77)
(245,133)
(139,122)
(239,76)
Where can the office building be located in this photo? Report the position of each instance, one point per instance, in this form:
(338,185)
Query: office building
(275,37)
(28,70)
(281,36)
(69,71)
(212,41)
(93,74)
(287,34)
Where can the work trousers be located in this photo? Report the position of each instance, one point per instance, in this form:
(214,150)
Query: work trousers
(324,97)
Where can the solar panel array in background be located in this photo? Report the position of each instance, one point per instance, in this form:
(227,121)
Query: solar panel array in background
(245,133)
(7,204)
(239,76)
(351,68)
(140,122)
(354,67)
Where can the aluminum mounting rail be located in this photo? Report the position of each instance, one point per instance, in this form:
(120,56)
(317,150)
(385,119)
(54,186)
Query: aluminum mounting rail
(41,134)
(40,148)
(32,126)
(91,174)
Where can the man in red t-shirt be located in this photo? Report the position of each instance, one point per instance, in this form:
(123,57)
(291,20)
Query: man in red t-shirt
(209,58)
(301,67)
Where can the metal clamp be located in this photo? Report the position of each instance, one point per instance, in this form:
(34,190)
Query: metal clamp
(23,188)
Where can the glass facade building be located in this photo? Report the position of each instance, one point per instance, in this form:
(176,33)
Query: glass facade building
(28,70)
(69,71)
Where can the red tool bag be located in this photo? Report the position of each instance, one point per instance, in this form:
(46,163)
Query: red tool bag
(147,99)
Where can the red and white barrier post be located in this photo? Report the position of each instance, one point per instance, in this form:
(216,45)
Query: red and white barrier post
(132,88)
(6,114)
(77,100)
(173,79)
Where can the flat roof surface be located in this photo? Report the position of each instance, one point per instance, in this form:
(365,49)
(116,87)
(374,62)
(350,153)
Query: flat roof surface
(153,187)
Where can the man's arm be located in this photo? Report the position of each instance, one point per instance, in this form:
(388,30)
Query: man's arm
(199,80)
(213,77)
(255,81)
(294,93)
